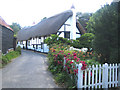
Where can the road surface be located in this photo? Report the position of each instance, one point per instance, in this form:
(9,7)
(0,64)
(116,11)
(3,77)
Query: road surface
(28,71)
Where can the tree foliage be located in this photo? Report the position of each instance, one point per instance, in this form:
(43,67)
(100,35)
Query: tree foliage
(104,24)
(83,18)
(57,40)
(86,40)
(16,27)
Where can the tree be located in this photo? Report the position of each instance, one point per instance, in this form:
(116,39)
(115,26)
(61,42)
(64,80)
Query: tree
(16,27)
(104,24)
(86,40)
(83,18)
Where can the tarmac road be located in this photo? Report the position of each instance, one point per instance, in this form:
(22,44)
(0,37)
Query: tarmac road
(28,71)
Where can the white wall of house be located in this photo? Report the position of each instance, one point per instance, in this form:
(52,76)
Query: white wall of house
(37,43)
(70,25)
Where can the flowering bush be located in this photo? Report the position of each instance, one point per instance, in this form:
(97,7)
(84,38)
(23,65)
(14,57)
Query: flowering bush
(57,54)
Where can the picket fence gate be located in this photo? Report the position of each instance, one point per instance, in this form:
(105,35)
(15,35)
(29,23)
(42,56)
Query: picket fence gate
(99,76)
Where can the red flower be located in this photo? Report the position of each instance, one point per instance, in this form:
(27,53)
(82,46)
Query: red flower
(77,60)
(91,73)
(68,67)
(71,62)
(64,55)
(75,57)
(81,61)
(58,62)
(83,65)
(74,54)
(67,59)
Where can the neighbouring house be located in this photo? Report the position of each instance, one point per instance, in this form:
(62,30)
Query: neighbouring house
(6,36)
(64,24)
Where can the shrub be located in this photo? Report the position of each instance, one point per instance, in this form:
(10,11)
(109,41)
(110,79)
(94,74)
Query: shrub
(56,63)
(86,40)
(18,49)
(11,55)
(104,24)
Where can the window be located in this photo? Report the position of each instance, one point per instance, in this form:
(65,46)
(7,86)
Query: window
(28,43)
(67,35)
(39,37)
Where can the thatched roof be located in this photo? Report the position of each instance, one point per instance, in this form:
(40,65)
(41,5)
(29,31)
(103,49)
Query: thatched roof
(45,27)
(80,27)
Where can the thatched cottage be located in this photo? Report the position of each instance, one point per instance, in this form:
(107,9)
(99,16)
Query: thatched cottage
(63,24)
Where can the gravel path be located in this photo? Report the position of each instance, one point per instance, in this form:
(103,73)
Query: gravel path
(28,71)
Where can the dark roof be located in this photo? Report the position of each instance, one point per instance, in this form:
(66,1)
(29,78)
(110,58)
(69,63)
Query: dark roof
(3,23)
(80,27)
(45,27)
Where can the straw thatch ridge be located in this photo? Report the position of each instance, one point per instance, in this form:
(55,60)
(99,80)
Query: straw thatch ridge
(45,27)
(80,27)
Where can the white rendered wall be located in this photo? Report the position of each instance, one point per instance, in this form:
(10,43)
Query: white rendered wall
(73,25)
(72,28)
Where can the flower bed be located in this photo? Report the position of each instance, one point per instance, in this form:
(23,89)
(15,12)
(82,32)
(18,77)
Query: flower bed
(63,60)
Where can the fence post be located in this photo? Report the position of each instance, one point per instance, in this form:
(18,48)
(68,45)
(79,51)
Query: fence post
(64,63)
(105,76)
(80,76)
(119,75)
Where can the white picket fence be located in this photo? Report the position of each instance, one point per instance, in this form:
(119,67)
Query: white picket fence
(99,76)
(105,76)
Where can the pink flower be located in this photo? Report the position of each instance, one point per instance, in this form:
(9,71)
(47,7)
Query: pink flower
(75,57)
(74,70)
(77,60)
(58,62)
(68,53)
(74,54)
(81,61)
(67,60)
(71,62)
(64,55)
(60,51)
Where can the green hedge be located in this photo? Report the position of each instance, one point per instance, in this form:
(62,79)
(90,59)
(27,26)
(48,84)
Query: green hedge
(11,55)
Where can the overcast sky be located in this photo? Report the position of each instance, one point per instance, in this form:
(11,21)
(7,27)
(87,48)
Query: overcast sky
(25,12)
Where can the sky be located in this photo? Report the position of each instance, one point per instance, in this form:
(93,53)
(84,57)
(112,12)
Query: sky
(25,12)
